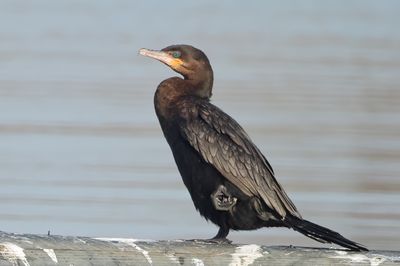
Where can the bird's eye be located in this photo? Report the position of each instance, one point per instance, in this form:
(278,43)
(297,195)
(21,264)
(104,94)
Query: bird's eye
(176,54)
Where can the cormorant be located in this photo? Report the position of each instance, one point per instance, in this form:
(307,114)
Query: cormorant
(230,181)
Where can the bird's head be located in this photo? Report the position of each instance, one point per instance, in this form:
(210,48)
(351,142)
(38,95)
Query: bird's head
(188,61)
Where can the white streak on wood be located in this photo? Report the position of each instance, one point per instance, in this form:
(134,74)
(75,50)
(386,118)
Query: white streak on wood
(359,258)
(13,254)
(50,252)
(130,242)
(245,255)
(172,258)
(197,262)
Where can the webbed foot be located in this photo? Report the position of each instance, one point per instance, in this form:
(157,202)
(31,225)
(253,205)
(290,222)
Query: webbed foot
(219,240)
(211,241)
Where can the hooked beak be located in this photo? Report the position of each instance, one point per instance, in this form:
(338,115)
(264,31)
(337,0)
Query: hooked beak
(166,58)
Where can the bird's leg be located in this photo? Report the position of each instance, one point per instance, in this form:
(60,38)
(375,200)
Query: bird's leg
(222,200)
(220,238)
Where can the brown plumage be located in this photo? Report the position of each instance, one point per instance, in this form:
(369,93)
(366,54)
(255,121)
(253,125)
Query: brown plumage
(230,181)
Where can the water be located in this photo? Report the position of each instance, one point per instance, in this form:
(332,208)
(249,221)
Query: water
(315,84)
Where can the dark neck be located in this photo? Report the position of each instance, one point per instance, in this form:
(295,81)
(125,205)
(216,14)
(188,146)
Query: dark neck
(201,82)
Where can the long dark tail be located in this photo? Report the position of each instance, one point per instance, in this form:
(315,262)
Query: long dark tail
(322,234)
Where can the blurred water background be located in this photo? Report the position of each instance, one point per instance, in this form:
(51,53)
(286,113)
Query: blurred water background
(315,83)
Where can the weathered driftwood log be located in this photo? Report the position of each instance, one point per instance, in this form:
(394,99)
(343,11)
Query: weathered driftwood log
(30,250)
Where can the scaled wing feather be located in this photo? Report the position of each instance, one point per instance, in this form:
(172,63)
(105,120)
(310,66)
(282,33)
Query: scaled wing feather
(222,142)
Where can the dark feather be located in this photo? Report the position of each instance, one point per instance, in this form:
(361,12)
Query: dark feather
(322,234)
(223,143)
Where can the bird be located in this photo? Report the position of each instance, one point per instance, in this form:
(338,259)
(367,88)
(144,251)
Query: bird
(230,181)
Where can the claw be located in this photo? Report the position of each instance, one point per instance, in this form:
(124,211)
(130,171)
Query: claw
(222,200)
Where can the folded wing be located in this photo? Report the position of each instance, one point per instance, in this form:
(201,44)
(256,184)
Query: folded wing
(222,142)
